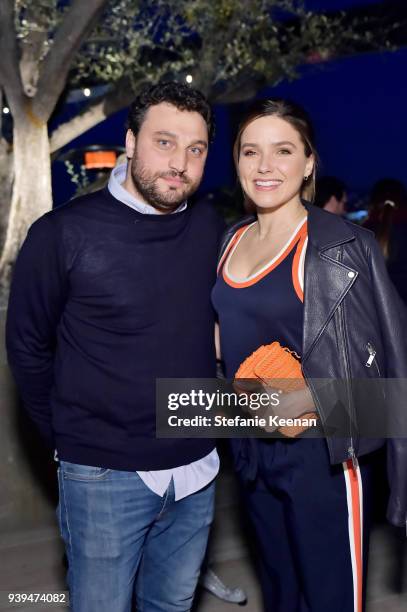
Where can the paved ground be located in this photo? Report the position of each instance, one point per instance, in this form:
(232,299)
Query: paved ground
(32,561)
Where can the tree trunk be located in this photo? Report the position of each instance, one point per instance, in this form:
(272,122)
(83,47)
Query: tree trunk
(31,194)
(6,174)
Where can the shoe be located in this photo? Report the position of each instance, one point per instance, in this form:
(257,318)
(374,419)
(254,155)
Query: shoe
(212,583)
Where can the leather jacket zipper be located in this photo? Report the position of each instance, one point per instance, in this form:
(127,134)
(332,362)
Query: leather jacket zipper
(372,357)
(372,360)
(351,448)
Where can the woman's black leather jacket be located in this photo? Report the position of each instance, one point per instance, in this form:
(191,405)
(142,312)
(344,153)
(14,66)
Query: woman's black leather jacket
(353,320)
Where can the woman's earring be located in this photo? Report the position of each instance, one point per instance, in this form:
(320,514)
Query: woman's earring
(306,178)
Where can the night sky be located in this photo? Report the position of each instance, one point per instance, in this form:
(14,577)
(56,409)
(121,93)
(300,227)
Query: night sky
(336,5)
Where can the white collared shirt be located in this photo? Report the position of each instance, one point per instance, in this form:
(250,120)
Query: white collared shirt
(187,478)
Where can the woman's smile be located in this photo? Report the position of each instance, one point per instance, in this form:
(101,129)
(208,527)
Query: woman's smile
(267,185)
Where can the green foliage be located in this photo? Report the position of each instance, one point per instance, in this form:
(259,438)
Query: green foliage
(38,17)
(225,44)
(78,175)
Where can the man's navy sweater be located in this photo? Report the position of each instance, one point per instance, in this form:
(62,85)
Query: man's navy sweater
(104,300)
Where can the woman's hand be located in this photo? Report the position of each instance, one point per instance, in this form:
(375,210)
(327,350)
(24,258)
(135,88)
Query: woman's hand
(292,405)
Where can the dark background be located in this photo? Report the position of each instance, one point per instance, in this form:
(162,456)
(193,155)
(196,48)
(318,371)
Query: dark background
(358,106)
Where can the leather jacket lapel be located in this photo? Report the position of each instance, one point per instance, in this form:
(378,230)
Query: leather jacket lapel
(327,280)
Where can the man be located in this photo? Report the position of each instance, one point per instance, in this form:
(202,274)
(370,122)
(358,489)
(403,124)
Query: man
(331,195)
(110,292)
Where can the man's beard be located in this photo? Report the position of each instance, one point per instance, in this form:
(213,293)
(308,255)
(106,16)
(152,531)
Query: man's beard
(146,185)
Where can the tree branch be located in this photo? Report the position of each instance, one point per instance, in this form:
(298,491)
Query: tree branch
(213,44)
(54,70)
(9,68)
(31,51)
(98,111)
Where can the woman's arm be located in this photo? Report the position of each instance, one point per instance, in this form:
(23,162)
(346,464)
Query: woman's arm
(217,342)
(393,324)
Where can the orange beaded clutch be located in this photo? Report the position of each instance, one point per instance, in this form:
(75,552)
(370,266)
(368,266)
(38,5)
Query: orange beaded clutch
(277,366)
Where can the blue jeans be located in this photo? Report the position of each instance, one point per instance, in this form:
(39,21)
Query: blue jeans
(122,540)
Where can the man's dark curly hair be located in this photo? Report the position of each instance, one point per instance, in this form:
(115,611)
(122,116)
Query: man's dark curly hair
(179,95)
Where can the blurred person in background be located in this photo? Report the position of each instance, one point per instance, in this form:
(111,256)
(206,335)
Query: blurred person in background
(331,195)
(388,220)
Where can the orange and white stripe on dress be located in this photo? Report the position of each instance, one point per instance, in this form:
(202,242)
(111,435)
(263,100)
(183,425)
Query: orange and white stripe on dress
(268,267)
(298,263)
(233,241)
(354,496)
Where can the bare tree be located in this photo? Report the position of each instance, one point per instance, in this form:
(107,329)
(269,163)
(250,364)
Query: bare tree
(47,46)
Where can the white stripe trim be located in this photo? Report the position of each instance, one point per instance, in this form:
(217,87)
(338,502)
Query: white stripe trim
(301,264)
(226,255)
(232,250)
(267,265)
(351,536)
(360,483)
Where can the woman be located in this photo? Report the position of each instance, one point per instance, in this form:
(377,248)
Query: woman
(388,220)
(317,284)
